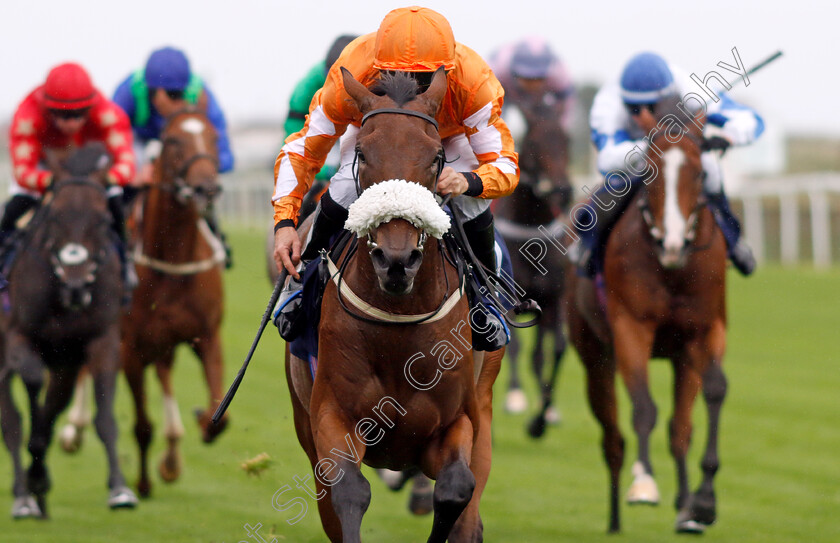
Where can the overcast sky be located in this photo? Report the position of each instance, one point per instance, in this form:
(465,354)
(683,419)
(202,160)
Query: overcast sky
(253,51)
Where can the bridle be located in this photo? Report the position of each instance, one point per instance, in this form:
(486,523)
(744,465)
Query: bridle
(184,193)
(440,159)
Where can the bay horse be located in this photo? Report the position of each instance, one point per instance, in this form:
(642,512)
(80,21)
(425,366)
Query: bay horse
(62,313)
(397,385)
(541,198)
(179,298)
(665,297)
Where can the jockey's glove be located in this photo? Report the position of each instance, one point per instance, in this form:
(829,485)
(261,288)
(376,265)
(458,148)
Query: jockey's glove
(716,143)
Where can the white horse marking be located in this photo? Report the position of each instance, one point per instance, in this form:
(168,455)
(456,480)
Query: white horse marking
(674,222)
(196,128)
(173,427)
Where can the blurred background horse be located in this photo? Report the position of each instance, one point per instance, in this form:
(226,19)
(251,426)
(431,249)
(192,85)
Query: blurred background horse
(62,313)
(540,200)
(663,295)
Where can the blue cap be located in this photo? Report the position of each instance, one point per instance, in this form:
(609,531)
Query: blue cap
(532,59)
(646,79)
(168,68)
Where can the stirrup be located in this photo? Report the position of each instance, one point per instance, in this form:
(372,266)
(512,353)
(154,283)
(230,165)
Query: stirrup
(289,317)
(489,330)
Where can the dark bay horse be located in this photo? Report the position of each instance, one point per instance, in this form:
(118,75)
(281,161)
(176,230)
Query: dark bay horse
(179,298)
(397,385)
(62,313)
(540,199)
(665,294)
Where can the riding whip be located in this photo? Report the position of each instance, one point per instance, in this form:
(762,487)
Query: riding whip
(278,287)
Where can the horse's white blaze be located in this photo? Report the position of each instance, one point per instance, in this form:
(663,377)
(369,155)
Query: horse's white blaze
(674,222)
(196,128)
(73,254)
(173,427)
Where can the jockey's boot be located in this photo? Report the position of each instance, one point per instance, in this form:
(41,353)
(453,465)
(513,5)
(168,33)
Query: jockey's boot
(329,221)
(16,207)
(605,208)
(739,252)
(127,271)
(210,217)
(489,331)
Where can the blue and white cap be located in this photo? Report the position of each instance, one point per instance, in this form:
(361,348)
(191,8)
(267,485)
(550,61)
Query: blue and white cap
(646,79)
(532,59)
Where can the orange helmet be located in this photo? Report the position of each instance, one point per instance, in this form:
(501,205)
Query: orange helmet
(414,39)
(68,86)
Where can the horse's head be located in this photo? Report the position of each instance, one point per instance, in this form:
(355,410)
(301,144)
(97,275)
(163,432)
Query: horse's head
(189,164)
(75,233)
(544,151)
(675,192)
(399,157)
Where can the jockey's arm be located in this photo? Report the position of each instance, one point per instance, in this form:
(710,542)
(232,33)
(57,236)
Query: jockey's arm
(498,172)
(26,150)
(217,117)
(739,124)
(610,130)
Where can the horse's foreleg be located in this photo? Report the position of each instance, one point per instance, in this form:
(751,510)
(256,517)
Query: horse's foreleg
(515,399)
(455,482)
(686,385)
(209,351)
(10,423)
(104,364)
(633,342)
(58,394)
(468,527)
(134,373)
(342,489)
(173,428)
(79,417)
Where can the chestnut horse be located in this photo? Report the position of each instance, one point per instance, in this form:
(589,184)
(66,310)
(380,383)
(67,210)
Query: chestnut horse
(179,298)
(541,197)
(664,273)
(62,313)
(397,385)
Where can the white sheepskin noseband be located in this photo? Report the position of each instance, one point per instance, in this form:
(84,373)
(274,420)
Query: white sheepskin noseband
(397,199)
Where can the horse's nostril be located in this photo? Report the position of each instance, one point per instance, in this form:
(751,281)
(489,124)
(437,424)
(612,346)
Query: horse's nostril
(415,259)
(379,259)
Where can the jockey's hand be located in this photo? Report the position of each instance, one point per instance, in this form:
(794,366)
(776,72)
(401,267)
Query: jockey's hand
(645,120)
(287,250)
(451,182)
(716,143)
(144,176)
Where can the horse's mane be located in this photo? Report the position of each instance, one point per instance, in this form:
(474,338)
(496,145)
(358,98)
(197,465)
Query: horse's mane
(398,86)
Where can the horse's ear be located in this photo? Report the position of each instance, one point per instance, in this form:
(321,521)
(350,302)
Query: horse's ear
(437,89)
(358,92)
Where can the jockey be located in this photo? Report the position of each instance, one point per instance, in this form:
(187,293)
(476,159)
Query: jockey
(484,164)
(149,95)
(530,71)
(66,111)
(621,117)
(299,108)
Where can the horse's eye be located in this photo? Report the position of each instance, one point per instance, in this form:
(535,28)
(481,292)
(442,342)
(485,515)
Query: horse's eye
(360,156)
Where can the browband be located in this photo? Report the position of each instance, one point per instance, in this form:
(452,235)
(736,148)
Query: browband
(399,111)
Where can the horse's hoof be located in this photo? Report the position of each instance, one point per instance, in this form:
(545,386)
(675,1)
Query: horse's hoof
(170,466)
(643,491)
(687,525)
(553,416)
(122,497)
(394,480)
(144,488)
(209,430)
(515,401)
(421,500)
(536,428)
(25,507)
(70,438)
